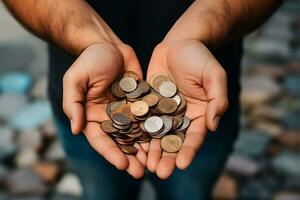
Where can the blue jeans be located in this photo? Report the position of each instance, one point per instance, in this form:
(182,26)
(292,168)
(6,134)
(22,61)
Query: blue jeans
(102,181)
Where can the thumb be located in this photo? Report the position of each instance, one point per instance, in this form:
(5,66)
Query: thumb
(215,84)
(74,88)
(131,62)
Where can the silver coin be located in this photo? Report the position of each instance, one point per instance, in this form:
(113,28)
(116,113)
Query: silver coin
(185,125)
(153,124)
(128,84)
(177,98)
(167,126)
(167,89)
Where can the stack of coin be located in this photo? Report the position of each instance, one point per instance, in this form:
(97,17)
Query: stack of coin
(139,111)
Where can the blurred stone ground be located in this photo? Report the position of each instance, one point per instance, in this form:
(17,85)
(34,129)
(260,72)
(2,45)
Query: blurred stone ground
(266,161)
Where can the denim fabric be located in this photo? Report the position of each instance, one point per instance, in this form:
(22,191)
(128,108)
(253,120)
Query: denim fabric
(102,181)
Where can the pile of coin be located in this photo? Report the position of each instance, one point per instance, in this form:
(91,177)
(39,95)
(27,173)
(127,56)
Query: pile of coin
(140,111)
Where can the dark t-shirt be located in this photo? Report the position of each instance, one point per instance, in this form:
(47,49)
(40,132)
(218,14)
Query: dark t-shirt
(141,24)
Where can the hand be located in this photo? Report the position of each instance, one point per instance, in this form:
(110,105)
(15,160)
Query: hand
(202,81)
(85,100)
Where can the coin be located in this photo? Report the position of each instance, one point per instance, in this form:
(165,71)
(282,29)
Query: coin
(153,124)
(107,126)
(185,124)
(157,80)
(177,98)
(128,84)
(181,135)
(117,91)
(167,126)
(121,119)
(151,99)
(131,74)
(171,143)
(166,105)
(139,108)
(167,89)
(128,149)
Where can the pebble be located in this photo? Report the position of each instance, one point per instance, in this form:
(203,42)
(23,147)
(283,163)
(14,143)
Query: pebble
(69,184)
(292,121)
(7,144)
(226,188)
(10,105)
(23,182)
(4,171)
(15,82)
(26,158)
(46,170)
(55,152)
(242,166)
(287,195)
(258,90)
(262,188)
(247,140)
(48,129)
(292,83)
(30,139)
(287,163)
(290,139)
(39,113)
(58,196)
(39,90)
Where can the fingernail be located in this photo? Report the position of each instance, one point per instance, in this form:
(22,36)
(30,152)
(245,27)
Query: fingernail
(216,122)
(72,124)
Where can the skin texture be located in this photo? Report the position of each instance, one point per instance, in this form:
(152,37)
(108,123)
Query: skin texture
(184,54)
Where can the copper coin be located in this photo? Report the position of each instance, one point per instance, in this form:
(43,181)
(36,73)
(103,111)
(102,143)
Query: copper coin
(107,126)
(128,149)
(151,99)
(157,80)
(167,89)
(171,143)
(181,135)
(167,105)
(131,74)
(128,84)
(117,91)
(121,119)
(139,108)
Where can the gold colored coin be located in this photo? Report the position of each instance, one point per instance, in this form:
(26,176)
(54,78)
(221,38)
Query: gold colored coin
(166,105)
(139,108)
(171,143)
(128,149)
(151,99)
(107,126)
(157,80)
(131,74)
(128,84)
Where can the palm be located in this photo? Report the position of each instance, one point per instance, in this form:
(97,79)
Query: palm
(191,66)
(99,67)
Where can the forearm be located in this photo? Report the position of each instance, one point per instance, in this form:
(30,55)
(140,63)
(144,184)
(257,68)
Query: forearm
(71,24)
(221,21)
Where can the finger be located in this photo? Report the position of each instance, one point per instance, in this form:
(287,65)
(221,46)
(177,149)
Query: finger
(145,146)
(131,62)
(166,165)
(74,87)
(141,154)
(154,155)
(105,146)
(135,168)
(193,140)
(215,83)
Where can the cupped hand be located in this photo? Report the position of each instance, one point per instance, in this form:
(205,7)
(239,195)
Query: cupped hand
(201,80)
(85,99)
